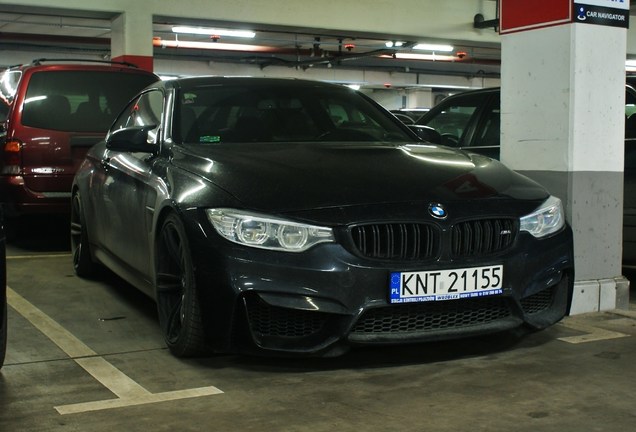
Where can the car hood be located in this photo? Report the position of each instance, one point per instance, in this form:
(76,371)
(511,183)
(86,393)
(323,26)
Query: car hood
(301,176)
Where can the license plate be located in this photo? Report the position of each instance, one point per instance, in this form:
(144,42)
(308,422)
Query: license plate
(439,285)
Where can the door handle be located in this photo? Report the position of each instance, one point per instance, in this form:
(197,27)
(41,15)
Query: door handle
(105,163)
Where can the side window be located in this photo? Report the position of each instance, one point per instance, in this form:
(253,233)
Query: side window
(4,111)
(143,111)
(337,113)
(452,117)
(630,133)
(489,130)
(630,113)
(9,84)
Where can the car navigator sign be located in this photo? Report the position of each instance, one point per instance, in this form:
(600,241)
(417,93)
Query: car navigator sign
(614,13)
(521,15)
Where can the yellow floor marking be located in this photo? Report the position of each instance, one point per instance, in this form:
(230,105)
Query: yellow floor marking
(138,400)
(51,329)
(625,313)
(17,257)
(128,392)
(592,334)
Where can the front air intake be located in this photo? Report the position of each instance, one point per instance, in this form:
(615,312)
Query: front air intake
(396,241)
(482,237)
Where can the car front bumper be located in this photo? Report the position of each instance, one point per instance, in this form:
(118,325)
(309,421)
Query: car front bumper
(326,299)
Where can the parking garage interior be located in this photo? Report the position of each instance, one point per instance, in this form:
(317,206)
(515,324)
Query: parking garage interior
(87,354)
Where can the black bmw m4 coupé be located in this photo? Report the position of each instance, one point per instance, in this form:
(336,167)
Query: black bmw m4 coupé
(291,216)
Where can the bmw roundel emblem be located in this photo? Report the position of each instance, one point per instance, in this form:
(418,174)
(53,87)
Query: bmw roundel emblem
(437,211)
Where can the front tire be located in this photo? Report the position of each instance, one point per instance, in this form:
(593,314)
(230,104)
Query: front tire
(177,299)
(82,262)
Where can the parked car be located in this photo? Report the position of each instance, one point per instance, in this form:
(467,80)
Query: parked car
(468,120)
(51,112)
(412,114)
(3,293)
(404,118)
(471,121)
(273,215)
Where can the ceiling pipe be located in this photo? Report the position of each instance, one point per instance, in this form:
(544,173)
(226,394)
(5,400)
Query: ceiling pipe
(480,22)
(303,58)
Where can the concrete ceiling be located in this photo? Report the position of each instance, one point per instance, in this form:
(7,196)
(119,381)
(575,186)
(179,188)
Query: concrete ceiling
(55,31)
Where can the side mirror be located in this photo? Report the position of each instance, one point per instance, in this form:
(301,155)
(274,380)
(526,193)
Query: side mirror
(426,133)
(133,139)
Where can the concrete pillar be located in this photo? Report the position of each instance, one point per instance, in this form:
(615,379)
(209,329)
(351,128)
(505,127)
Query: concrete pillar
(131,39)
(562,104)
(420,98)
(389,99)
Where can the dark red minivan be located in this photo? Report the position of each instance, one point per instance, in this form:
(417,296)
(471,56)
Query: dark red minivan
(51,113)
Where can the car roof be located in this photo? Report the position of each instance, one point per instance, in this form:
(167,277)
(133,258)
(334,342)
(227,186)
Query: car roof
(476,91)
(77,64)
(190,82)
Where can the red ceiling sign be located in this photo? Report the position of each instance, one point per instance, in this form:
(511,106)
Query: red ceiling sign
(520,15)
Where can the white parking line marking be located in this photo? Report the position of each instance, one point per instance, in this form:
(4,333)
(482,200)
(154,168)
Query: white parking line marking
(51,329)
(128,392)
(118,383)
(139,400)
(592,334)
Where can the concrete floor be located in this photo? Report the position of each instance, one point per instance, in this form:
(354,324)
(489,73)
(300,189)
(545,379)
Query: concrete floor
(108,370)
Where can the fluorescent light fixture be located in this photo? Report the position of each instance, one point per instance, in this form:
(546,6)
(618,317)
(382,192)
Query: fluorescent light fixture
(630,64)
(158,42)
(410,56)
(434,47)
(214,32)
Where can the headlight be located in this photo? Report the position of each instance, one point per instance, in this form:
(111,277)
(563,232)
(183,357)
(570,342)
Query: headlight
(261,231)
(545,220)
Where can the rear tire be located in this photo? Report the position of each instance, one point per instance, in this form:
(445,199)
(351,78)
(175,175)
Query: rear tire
(177,297)
(80,249)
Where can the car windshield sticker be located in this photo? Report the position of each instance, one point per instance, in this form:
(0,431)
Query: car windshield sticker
(210,139)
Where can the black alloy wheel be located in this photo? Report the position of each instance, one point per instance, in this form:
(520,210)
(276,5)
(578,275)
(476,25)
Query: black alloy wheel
(177,299)
(80,249)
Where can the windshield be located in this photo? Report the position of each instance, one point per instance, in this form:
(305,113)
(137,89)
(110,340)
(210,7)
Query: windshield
(281,113)
(9,85)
